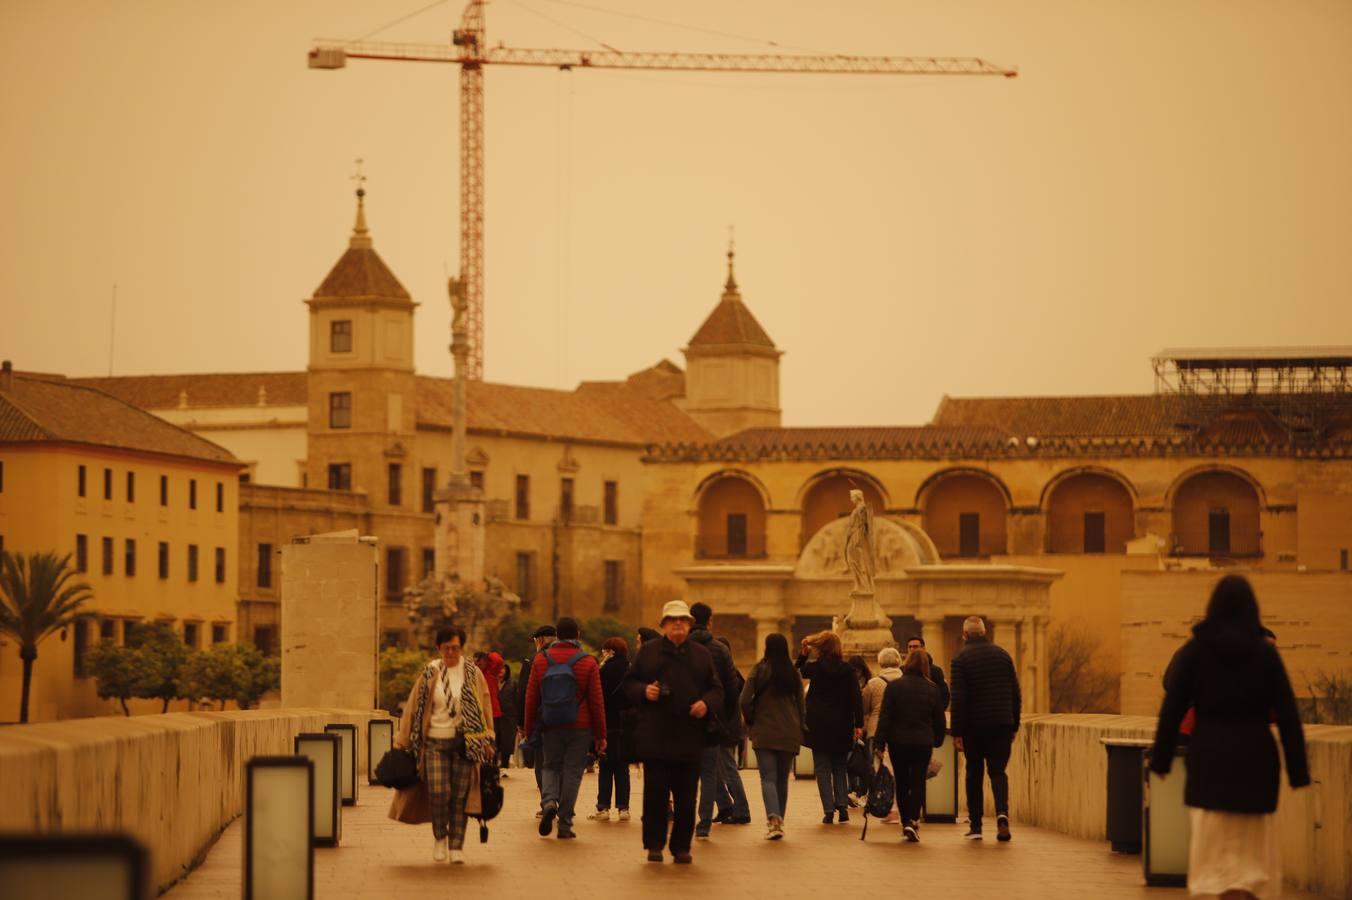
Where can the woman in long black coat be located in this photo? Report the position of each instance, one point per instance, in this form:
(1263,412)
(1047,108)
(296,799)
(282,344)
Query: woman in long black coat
(1236,682)
(835,719)
(614,764)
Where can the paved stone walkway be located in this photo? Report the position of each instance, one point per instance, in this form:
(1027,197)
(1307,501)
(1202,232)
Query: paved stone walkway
(381,858)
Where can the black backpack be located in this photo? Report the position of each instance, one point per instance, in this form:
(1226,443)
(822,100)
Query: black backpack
(882,792)
(859,769)
(490,798)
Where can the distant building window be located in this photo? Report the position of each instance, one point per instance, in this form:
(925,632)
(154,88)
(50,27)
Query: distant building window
(566,499)
(80,480)
(245,478)
(525,577)
(192,493)
(612,502)
(736,534)
(429,557)
(340,409)
(164,559)
(394,573)
(340,476)
(220,496)
(265,565)
(429,490)
(220,634)
(969,534)
(2,476)
(523,496)
(1218,530)
(190,634)
(1342,559)
(220,565)
(340,336)
(108,630)
(391,639)
(82,553)
(192,562)
(107,484)
(81,646)
(131,487)
(476,479)
(107,547)
(614,585)
(1095,532)
(131,557)
(265,639)
(164,490)
(396,484)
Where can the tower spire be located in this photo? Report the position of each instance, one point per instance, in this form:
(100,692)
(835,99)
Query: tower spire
(361,237)
(730,286)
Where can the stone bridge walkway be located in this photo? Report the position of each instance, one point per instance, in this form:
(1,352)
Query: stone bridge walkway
(380,858)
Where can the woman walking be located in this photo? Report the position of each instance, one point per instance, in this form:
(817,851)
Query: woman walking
(614,763)
(447,725)
(772,705)
(889,670)
(835,719)
(910,726)
(1236,682)
(505,726)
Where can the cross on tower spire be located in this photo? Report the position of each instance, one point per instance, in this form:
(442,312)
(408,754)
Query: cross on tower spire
(361,237)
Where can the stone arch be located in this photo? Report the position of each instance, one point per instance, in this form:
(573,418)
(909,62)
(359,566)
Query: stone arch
(825,497)
(1216,511)
(965,512)
(731,512)
(1089,510)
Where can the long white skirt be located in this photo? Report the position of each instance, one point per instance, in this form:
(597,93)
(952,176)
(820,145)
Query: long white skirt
(1234,852)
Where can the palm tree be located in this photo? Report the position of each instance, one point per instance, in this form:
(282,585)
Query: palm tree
(37,598)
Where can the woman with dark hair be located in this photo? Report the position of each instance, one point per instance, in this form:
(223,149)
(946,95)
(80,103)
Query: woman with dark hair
(1236,682)
(614,762)
(772,705)
(506,725)
(862,673)
(835,719)
(910,726)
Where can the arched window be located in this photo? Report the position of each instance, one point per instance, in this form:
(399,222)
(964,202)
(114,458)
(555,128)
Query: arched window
(1216,514)
(965,516)
(829,498)
(1089,513)
(731,519)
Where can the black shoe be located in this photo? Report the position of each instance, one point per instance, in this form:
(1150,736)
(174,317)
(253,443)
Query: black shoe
(684,859)
(702,835)
(566,833)
(723,818)
(973,835)
(911,833)
(739,820)
(844,814)
(828,818)
(1002,829)
(655,856)
(547,814)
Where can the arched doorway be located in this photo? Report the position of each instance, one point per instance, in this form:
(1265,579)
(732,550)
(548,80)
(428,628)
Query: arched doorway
(828,499)
(1216,513)
(965,515)
(731,519)
(1089,512)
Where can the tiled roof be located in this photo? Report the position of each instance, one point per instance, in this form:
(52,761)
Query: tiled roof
(731,323)
(664,381)
(360,272)
(1120,416)
(213,390)
(924,441)
(60,411)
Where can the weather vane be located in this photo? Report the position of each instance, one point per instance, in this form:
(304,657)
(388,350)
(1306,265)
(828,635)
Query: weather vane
(360,178)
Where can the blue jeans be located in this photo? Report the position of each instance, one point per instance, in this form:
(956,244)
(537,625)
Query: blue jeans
(731,781)
(775,768)
(720,782)
(832,779)
(565,757)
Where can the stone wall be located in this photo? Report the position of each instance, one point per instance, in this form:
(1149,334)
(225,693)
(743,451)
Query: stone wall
(173,781)
(1058,780)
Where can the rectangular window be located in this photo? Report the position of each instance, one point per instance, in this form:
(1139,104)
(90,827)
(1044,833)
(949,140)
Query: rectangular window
(566,499)
(81,646)
(340,409)
(391,639)
(164,490)
(192,493)
(736,534)
(429,562)
(192,562)
(340,336)
(340,476)
(265,639)
(2,476)
(190,634)
(107,546)
(107,484)
(220,496)
(394,573)
(1342,559)
(525,570)
(108,631)
(265,565)
(131,487)
(1218,530)
(523,496)
(429,490)
(612,502)
(396,484)
(164,559)
(476,479)
(614,585)
(130,564)
(1094,532)
(220,634)
(81,553)
(969,534)
(81,480)
(220,565)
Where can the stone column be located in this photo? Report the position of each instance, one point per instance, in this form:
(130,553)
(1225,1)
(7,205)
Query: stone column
(1042,674)
(932,630)
(1026,663)
(766,626)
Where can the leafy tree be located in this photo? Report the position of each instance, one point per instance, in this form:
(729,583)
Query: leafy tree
(1078,683)
(512,637)
(37,597)
(1330,700)
(116,671)
(595,631)
(225,672)
(162,655)
(398,670)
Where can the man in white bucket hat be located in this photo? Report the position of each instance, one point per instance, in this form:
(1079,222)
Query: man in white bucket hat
(674,685)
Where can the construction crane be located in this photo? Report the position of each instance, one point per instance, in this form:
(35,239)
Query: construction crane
(469,50)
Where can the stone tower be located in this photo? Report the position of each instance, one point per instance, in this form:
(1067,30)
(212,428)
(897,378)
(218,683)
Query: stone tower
(732,368)
(360,380)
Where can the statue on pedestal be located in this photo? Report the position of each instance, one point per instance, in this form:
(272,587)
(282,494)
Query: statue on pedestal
(864,628)
(436,601)
(859,544)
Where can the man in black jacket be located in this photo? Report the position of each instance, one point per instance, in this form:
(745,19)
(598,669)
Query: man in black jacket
(718,775)
(916,642)
(674,686)
(985,716)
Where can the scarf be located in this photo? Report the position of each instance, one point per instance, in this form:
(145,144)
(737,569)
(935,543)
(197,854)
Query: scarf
(480,743)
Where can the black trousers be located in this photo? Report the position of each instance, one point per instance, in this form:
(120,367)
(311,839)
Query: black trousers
(910,765)
(679,781)
(987,749)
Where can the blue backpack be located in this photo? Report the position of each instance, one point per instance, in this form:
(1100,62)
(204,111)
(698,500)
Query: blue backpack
(558,692)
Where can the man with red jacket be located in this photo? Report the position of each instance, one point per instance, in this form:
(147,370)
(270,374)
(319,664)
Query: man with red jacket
(567,725)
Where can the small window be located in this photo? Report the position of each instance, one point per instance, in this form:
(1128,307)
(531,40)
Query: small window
(131,487)
(192,562)
(969,534)
(340,409)
(164,490)
(245,478)
(736,534)
(525,572)
(1342,559)
(2,476)
(265,565)
(192,493)
(566,500)
(220,565)
(82,553)
(107,484)
(612,502)
(340,336)
(476,479)
(81,480)
(1094,532)
(340,476)
(265,639)
(614,585)
(523,496)
(429,557)
(190,634)
(1218,530)
(396,484)
(131,557)
(164,559)
(391,639)
(429,490)
(394,573)
(108,631)
(220,496)
(81,646)
(107,546)
(220,634)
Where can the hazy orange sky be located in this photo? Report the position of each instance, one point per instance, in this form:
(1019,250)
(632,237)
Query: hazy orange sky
(1164,173)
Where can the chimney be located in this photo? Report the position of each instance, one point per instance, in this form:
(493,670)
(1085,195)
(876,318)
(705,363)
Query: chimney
(6,375)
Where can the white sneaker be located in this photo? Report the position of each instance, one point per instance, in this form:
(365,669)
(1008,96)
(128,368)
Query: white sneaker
(457,857)
(601,815)
(624,815)
(439,850)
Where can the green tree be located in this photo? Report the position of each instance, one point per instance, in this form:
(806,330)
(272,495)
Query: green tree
(116,671)
(225,672)
(37,597)
(512,637)
(595,631)
(398,670)
(161,657)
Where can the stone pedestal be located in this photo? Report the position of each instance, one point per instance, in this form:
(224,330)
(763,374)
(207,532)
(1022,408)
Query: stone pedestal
(460,533)
(864,630)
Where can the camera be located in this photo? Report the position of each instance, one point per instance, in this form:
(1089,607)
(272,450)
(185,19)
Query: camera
(663,690)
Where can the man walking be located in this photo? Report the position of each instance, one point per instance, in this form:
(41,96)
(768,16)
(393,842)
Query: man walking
(673,684)
(985,716)
(916,642)
(718,775)
(564,697)
(530,750)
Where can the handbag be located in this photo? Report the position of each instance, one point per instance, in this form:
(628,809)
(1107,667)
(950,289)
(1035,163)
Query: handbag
(397,769)
(935,767)
(412,805)
(490,798)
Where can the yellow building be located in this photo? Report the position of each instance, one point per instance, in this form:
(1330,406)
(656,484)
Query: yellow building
(148,512)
